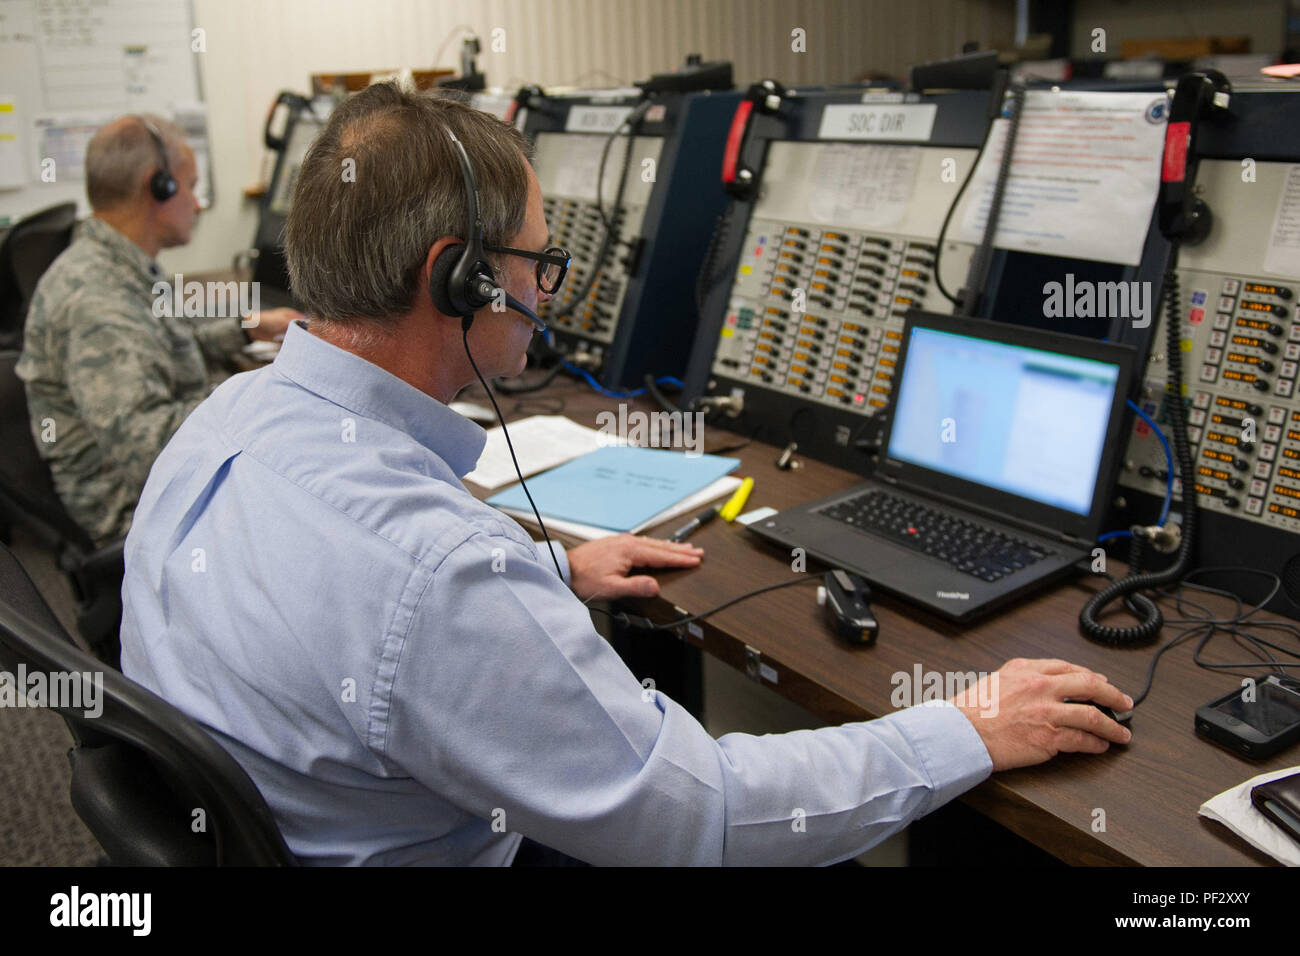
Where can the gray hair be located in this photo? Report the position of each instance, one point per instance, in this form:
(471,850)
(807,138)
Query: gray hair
(380,185)
(120,154)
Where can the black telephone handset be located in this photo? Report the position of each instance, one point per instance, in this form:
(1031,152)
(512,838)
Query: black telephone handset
(295,104)
(1183,217)
(528,97)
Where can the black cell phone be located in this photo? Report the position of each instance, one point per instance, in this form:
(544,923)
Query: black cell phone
(1254,722)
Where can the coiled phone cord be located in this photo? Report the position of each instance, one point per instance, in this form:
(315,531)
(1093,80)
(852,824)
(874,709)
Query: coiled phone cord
(1128,587)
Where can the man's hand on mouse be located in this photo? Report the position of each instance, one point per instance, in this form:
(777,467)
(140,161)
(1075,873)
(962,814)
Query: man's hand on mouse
(598,570)
(1031,722)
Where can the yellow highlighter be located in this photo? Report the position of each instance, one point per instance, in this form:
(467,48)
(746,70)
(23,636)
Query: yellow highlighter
(733,506)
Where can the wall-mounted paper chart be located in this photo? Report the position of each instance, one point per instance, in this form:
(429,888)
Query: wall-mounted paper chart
(69,66)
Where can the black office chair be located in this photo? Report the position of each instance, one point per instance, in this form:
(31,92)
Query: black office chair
(27,251)
(141,768)
(27,498)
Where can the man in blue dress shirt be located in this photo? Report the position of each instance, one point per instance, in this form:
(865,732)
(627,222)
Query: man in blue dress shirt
(396,664)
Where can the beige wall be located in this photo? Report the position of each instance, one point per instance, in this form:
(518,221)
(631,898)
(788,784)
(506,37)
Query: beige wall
(255,48)
(1264,21)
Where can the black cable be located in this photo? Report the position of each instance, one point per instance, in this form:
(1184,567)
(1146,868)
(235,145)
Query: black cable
(464,330)
(943,230)
(633,122)
(1207,625)
(610,235)
(811,579)
(609,221)
(734,446)
(607,242)
(982,259)
(506,388)
(1152,619)
(1228,569)
(1151,670)
(709,272)
(644,623)
(652,388)
(1234,624)
(1086,568)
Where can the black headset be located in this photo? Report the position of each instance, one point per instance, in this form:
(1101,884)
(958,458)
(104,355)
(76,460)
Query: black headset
(162,184)
(461,282)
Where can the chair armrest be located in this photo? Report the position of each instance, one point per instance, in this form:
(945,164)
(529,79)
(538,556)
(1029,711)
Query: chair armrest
(92,572)
(97,580)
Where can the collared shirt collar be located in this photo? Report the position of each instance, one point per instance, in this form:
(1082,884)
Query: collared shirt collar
(103,233)
(365,388)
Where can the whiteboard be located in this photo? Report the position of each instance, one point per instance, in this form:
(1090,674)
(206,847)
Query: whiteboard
(69,66)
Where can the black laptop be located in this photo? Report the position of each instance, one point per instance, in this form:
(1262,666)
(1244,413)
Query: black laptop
(998,457)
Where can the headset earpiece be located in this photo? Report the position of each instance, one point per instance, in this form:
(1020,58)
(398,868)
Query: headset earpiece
(459,285)
(162,184)
(440,278)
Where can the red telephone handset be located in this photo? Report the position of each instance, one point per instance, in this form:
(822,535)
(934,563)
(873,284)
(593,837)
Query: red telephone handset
(739,163)
(1183,217)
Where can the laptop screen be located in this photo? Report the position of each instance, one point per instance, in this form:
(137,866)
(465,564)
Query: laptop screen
(1021,420)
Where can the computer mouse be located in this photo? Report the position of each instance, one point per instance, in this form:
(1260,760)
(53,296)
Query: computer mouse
(1122,717)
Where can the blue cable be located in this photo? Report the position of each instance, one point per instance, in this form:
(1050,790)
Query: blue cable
(1169,459)
(600,388)
(612,394)
(1169,475)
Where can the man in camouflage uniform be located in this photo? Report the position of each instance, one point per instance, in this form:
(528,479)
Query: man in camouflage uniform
(109,379)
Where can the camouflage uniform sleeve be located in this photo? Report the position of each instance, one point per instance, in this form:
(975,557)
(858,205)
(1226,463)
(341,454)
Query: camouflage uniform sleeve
(120,379)
(220,339)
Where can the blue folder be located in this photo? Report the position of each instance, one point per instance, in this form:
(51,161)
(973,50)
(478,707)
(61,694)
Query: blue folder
(617,488)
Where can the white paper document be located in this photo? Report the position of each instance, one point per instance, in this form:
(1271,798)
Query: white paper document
(1283,255)
(1234,810)
(866,187)
(13,168)
(541,442)
(1085,170)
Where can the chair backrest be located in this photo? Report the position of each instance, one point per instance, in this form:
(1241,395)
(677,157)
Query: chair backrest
(141,769)
(27,494)
(28,498)
(26,253)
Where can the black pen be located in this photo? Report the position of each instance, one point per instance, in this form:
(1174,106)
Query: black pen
(701,519)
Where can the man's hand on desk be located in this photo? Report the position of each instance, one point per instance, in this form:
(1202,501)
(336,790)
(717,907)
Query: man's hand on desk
(269,325)
(1030,722)
(598,569)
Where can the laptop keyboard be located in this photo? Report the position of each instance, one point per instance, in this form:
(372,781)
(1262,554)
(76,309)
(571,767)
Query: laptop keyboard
(972,548)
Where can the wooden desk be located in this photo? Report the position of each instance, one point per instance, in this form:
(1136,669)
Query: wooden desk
(1149,790)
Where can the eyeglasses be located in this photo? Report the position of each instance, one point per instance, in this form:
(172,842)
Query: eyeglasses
(552,265)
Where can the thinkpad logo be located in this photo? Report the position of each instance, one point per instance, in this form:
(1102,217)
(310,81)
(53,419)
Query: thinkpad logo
(959,595)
